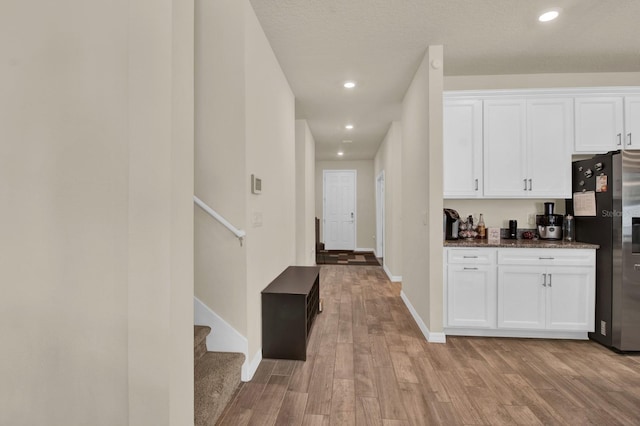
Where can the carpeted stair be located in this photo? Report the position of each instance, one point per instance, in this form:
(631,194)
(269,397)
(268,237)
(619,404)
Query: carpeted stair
(217,375)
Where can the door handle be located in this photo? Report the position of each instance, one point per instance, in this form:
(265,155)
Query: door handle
(544,282)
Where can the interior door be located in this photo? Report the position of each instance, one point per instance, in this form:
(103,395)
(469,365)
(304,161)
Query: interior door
(339,230)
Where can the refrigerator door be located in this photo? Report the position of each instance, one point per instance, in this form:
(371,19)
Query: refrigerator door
(626,296)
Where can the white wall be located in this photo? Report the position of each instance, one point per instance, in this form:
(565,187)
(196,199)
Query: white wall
(270,155)
(422,192)
(365,202)
(305,195)
(245,124)
(389,159)
(220,164)
(96,224)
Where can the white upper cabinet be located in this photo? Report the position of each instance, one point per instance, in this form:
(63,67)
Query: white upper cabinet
(527,147)
(462,149)
(632,122)
(504,148)
(599,124)
(549,141)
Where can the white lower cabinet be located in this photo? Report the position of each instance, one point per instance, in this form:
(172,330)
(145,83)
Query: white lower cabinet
(520,292)
(553,298)
(471,296)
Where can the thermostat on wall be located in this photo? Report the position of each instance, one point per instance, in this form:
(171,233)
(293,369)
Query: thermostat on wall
(256,185)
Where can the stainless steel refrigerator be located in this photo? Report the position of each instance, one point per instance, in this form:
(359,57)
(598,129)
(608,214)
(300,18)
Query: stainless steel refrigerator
(606,206)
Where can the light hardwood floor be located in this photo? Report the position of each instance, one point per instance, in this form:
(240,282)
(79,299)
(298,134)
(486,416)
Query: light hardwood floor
(369,364)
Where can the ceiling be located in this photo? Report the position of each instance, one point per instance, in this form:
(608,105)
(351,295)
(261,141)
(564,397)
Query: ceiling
(379,44)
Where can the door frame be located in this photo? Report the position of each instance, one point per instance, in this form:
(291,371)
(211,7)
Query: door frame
(355,203)
(380,215)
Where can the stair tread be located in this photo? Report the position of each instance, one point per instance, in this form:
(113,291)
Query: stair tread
(200,333)
(217,375)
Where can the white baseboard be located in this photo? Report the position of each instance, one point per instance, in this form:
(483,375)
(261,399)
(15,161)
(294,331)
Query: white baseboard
(430,336)
(224,338)
(364,249)
(550,334)
(392,278)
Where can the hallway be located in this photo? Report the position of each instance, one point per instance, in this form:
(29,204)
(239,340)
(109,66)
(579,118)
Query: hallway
(369,364)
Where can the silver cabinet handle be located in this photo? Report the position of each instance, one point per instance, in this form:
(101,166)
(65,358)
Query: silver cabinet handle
(545,258)
(544,282)
(530,185)
(525,183)
(619,138)
(549,280)
(629,137)
(477,179)
(470,257)
(470,269)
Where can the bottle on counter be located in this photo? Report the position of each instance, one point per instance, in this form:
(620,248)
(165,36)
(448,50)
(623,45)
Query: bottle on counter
(569,228)
(482,229)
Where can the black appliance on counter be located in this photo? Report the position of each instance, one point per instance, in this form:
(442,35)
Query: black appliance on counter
(549,225)
(612,182)
(451,222)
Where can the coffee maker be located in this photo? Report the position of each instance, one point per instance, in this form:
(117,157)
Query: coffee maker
(549,225)
(451,222)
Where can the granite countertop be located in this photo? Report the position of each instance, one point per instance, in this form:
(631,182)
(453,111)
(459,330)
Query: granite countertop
(507,243)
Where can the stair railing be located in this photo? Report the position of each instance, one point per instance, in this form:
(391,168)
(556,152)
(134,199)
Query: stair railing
(239,233)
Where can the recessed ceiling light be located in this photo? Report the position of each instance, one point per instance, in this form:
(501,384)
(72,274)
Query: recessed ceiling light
(548,16)
(349,126)
(349,84)
(340,153)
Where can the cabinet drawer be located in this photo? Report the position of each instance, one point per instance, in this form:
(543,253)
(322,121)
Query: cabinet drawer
(481,256)
(546,257)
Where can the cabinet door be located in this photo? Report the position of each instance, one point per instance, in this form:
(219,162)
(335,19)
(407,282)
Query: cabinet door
(549,146)
(462,149)
(504,148)
(632,122)
(521,297)
(570,298)
(599,124)
(471,296)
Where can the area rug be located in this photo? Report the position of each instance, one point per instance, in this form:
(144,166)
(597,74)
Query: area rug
(346,257)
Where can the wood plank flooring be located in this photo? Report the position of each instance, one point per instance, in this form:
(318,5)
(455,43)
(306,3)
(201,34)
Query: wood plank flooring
(369,364)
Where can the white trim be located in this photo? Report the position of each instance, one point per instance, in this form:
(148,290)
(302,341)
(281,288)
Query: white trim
(240,233)
(559,91)
(392,278)
(250,368)
(223,337)
(545,334)
(430,336)
(365,249)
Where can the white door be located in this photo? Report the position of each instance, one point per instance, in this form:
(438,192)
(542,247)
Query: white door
(549,146)
(471,296)
(632,122)
(521,297)
(380,215)
(462,149)
(570,298)
(599,123)
(504,148)
(339,210)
